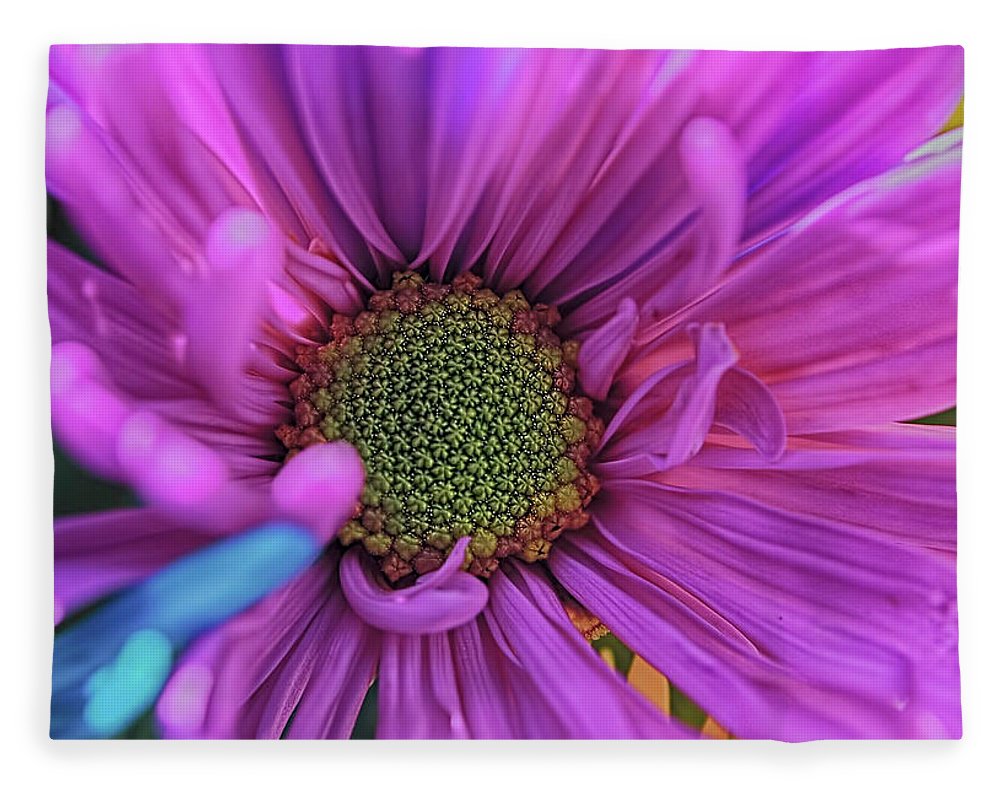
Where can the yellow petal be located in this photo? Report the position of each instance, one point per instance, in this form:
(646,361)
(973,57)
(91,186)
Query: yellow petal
(650,683)
(957,118)
(712,730)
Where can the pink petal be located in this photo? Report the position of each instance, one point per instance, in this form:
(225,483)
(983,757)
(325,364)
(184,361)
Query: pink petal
(859,114)
(166,467)
(488,702)
(418,697)
(96,554)
(245,254)
(331,700)
(439,601)
(82,173)
(640,207)
(603,351)
(896,481)
(556,663)
(792,627)
(744,404)
(849,318)
(87,411)
(805,122)
(665,421)
(226,684)
(319,487)
(286,180)
(716,177)
(133,337)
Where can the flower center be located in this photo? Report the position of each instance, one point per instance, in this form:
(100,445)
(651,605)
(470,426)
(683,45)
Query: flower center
(461,404)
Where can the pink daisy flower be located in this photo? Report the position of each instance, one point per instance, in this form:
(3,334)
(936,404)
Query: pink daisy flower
(411,354)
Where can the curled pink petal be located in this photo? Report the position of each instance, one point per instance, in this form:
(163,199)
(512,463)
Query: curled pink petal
(679,432)
(319,487)
(744,404)
(603,351)
(716,175)
(645,437)
(437,602)
(887,357)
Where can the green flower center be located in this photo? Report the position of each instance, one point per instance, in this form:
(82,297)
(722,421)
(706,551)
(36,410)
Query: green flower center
(461,405)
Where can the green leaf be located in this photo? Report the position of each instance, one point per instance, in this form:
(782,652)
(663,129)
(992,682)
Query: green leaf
(946,418)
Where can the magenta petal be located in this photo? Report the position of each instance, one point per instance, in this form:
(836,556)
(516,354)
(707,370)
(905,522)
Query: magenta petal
(693,409)
(286,179)
(890,354)
(858,114)
(226,684)
(165,466)
(333,285)
(584,101)
(87,413)
(418,697)
(136,95)
(110,315)
(809,124)
(744,404)
(488,701)
(605,349)
(862,631)
(453,112)
(331,700)
(557,662)
(330,86)
(675,432)
(96,554)
(245,254)
(716,177)
(323,679)
(319,487)
(897,481)
(437,602)
(106,206)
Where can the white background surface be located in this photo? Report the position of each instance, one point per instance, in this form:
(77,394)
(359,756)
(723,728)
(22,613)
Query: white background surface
(31,761)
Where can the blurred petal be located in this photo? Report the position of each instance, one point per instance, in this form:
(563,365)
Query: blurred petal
(319,487)
(97,554)
(110,665)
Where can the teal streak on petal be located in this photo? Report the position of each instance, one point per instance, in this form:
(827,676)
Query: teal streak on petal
(111,665)
(120,692)
(210,586)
